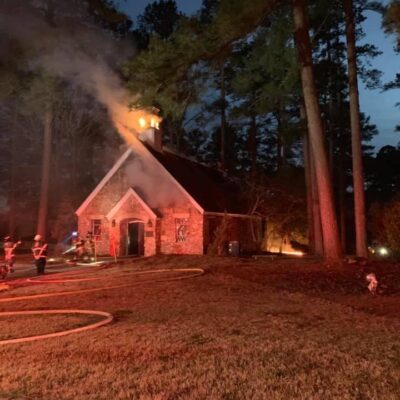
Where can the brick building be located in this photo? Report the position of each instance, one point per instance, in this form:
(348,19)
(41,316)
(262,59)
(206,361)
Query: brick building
(153,201)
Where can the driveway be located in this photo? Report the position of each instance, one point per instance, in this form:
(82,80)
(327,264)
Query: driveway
(23,270)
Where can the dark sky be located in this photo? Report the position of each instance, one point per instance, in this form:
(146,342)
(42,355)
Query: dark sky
(379,106)
(136,7)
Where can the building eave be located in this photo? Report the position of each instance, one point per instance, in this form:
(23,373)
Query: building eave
(221,214)
(195,204)
(103,182)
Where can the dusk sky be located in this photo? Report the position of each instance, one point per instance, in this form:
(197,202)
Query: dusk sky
(379,106)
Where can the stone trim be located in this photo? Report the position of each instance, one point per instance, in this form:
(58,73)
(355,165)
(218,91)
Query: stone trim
(130,192)
(181,215)
(103,182)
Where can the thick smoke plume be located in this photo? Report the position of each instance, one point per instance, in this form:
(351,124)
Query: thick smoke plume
(77,52)
(88,57)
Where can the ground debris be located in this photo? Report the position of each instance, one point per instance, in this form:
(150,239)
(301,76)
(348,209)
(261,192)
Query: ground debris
(344,284)
(3,286)
(372,283)
(355,260)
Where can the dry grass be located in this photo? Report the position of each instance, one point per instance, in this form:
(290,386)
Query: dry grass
(20,326)
(245,330)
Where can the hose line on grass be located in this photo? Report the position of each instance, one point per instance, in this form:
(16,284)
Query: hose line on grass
(108,317)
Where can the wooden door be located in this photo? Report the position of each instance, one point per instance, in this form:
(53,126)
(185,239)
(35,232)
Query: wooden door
(135,238)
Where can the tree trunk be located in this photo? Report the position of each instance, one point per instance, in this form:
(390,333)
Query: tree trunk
(308,178)
(223,118)
(280,143)
(307,175)
(358,173)
(342,201)
(313,212)
(44,187)
(318,236)
(331,112)
(316,210)
(12,194)
(253,146)
(330,231)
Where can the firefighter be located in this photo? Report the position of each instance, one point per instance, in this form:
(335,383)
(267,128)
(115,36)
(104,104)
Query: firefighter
(79,245)
(90,245)
(9,252)
(79,248)
(114,240)
(39,251)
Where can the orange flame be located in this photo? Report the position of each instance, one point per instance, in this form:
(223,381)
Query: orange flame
(141,120)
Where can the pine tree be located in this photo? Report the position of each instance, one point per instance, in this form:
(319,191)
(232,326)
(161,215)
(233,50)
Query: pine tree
(330,232)
(358,174)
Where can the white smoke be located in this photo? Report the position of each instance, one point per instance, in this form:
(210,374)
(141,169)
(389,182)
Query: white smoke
(141,176)
(88,57)
(81,54)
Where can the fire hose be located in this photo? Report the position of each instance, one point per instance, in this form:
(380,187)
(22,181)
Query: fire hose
(195,272)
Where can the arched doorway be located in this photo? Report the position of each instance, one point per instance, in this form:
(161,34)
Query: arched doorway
(133,233)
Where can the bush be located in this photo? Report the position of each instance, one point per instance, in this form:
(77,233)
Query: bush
(385,224)
(218,246)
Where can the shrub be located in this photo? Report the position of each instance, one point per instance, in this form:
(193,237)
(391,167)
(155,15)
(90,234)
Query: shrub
(385,224)
(219,242)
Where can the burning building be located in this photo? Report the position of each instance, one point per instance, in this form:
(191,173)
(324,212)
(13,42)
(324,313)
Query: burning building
(153,201)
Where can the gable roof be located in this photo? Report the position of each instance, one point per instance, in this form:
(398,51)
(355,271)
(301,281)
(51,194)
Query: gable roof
(130,193)
(206,188)
(118,165)
(211,188)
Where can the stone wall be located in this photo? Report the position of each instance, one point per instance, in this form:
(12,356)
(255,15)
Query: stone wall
(99,207)
(193,242)
(160,236)
(85,225)
(133,210)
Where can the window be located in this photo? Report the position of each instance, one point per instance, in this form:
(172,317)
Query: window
(96,229)
(181,229)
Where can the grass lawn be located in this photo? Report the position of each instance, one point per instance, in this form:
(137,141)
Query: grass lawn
(244,330)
